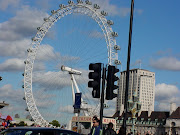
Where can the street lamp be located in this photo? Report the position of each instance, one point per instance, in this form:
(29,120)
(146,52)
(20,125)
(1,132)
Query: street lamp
(134,107)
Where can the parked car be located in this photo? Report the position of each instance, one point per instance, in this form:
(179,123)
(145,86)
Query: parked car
(37,131)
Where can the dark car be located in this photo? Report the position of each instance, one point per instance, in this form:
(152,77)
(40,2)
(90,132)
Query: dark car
(37,131)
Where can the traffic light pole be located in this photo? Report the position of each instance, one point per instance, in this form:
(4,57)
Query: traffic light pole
(102,96)
(127,71)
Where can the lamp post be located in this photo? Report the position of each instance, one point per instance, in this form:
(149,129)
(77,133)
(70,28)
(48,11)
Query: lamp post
(134,106)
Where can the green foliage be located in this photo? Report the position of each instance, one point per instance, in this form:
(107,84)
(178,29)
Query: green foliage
(22,123)
(55,123)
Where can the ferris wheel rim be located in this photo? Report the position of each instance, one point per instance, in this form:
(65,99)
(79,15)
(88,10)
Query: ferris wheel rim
(54,17)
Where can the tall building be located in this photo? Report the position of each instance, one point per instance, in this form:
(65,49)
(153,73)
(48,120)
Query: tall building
(143,82)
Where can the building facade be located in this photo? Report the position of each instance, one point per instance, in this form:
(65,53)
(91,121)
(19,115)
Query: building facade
(140,81)
(152,122)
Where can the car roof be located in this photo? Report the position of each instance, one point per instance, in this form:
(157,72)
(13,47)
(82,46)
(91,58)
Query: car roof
(39,128)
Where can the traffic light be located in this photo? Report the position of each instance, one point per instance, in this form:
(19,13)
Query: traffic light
(111,79)
(96,76)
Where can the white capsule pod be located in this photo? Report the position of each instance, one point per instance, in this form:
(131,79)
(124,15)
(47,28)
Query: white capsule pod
(117,62)
(117,47)
(96,6)
(27,109)
(29,50)
(88,2)
(46,19)
(70,2)
(53,11)
(104,13)
(38,28)
(62,6)
(26,62)
(110,22)
(114,34)
(79,1)
(34,39)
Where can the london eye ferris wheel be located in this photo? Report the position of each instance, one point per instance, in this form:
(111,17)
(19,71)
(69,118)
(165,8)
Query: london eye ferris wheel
(73,36)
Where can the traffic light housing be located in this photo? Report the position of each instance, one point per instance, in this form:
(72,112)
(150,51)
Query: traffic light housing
(111,79)
(96,76)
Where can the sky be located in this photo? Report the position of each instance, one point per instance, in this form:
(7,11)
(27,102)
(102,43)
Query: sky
(76,40)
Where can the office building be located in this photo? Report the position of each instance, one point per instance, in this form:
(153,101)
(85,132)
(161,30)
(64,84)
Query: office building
(140,81)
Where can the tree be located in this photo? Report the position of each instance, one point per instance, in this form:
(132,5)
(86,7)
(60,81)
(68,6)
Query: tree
(55,123)
(17,116)
(22,123)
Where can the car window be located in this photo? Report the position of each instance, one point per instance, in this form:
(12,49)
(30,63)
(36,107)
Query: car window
(28,133)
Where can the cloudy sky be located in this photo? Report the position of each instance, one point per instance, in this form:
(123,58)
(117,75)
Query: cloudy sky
(155,44)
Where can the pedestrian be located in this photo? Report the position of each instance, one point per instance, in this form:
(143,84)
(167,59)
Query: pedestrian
(14,125)
(109,130)
(96,130)
(121,131)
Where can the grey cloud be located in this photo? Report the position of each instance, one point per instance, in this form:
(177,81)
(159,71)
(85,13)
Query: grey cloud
(67,109)
(166,63)
(12,65)
(4,4)
(15,49)
(24,24)
(13,97)
(164,95)
(15,65)
(43,101)
(8,92)
(56,80)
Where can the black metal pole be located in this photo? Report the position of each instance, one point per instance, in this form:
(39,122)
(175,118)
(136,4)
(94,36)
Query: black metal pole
(127,71)
(102,96)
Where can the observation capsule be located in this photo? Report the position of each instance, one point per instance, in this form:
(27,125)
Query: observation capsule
(40,29)
(110,22)
(29,50)
(117,47)
(114,34)
(34,39)
(88,2)
(70,2)
(26,62)
(117,62)
(104,13)
(62,6)
(46,19)
(53,11)
(79,1)
(27,109)
(96,6)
